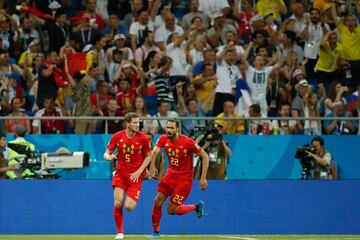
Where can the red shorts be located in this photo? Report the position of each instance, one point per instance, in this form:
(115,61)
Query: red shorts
(131,188)
(176,187)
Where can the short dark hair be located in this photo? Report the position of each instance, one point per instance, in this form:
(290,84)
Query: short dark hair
(290,34)
(318,139)
(129,116)
(173,120)
(314,9)
(255,107)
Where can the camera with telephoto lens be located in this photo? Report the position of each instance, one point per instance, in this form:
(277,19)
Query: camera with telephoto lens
(306,161)
(212,134)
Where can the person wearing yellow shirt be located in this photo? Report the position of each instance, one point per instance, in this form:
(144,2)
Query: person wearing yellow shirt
(33,50)
(275,7)
(205,85)
(230,126)
(350,35)
(329,57)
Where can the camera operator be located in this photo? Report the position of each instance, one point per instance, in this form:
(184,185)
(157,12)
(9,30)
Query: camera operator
(4,152)
(219,153)
(19,171)
(323,159)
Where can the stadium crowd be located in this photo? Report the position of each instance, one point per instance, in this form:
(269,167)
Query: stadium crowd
(194,58)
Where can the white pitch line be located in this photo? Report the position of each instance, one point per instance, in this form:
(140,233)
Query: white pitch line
(242,238)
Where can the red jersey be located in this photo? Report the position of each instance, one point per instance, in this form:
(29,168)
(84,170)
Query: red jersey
(131,152)
(180,154)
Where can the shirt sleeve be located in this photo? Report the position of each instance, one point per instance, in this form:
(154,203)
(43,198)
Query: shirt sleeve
(160,141)
(112,143)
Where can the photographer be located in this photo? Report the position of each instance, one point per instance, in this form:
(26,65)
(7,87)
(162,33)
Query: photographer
(322,159)
(15,157)
(219,153)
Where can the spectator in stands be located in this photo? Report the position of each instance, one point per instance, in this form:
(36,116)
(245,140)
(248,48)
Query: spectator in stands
(187,20)
(211,7)
(216,34)
(6,67)
(330,55)
(137,29)
(27,32)
(230,126)
(289,44)
(120,8)
(230,39)
(112,110)
(142,52)
(243,12)
(209,58)
(8,34)
(125,97)
(257,127)
(130,71)
(349,34)
(46,81)
(312,109)
(297,106)
(140,108)
(51,108)
(114,26)
(299,17)
(85,33)
(312,35)
(227,73)
(90,13)
(284,127)
(14,88)
(80,86)
(59,31)
(163,111)
(197,50)
(100,98)
(340,127)
(335,95)
(274,7)
(16,112)
(133,16)
(257,78)
(189,108)
(162,33)
(33,50)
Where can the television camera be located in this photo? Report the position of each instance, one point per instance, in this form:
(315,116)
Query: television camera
(42,164)
(307,162)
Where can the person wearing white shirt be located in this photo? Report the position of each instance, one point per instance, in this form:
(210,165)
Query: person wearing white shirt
(257,78)
(163,33)
(230,38)
(137,28)
(312,34)
(210,7)
(227,73)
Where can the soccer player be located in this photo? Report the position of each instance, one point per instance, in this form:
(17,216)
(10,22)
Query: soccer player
(178,179)
(133,155)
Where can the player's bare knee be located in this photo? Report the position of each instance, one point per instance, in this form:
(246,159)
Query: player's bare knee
(159,200)
(171,209)
(129,206)
(118,204)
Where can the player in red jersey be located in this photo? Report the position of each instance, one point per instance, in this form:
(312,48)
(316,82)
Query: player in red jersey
(133,155)
(178,179)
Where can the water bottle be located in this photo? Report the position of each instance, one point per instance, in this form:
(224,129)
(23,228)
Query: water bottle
(266,128)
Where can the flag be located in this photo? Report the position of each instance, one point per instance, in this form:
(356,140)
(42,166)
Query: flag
(242,97)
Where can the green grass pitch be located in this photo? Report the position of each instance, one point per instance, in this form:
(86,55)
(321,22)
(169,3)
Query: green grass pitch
(184,237)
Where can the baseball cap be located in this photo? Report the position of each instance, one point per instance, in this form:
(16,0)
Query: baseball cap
(20,130)
(218,14)
(255,18)
(303,82)
(118,36)
(297,72)
(34,42)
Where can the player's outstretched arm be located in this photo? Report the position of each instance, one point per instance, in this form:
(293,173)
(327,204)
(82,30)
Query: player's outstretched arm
(154,153)
(205,165)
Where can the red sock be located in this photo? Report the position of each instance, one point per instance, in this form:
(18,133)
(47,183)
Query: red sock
(119,219)
(183,209)
(156,216)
